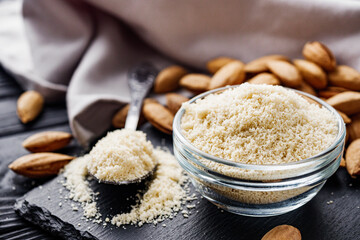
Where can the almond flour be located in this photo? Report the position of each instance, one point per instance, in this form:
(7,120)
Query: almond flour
(163,197)
(123,155)
(258,124)
(166,194)
(75,174)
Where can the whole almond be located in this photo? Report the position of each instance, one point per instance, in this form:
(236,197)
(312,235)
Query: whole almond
(286,72)
(354,127)
(159,116)
(230,74)
(174,101)
(29,106)
(331,91)
(265,78)
(195,82)
(346,119)
(38,165)
(311,73)
(345,76)
(342,162)
(318,53)
(47,141)
(346,102)
(149,100)
(306,88)
(352,157)
(215,64)
(168,79)
(260,65)
(283,232)
(119,118)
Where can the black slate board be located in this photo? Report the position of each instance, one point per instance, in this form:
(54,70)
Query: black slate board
(316,220)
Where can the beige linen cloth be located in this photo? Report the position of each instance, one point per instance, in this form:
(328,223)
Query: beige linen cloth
(82,50)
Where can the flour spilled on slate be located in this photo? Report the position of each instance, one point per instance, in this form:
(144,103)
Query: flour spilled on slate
(167,194)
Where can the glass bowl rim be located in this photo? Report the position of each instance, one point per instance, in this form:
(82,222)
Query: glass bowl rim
(318,158)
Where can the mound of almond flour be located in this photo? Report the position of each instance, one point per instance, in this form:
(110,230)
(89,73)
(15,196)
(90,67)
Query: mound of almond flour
(164,197)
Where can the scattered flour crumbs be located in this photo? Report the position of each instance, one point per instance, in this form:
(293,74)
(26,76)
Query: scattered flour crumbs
(166,194)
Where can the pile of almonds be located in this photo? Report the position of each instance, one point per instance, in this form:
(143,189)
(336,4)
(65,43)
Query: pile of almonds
(318,74)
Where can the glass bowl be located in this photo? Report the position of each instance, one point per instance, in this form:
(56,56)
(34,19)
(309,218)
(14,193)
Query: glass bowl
(257,190)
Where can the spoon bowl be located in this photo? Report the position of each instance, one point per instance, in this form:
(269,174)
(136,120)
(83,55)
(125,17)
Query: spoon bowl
(126,182)
(140,81)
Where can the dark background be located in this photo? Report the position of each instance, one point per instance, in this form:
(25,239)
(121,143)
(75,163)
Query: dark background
(316,220)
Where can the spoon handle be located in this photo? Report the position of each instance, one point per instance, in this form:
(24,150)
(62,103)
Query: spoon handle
(133,115)
(140,80)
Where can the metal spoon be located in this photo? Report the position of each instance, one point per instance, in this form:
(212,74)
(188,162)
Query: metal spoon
(140,81)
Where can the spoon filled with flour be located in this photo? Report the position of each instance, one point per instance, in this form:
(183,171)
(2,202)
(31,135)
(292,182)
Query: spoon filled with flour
(125,156)
(122,157)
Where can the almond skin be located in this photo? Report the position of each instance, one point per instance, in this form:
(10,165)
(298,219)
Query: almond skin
(346,102)
(304,87)
(345,76)
(346,119)
(231,74)
(288,74)
(260,65)
(215,64)
(29,106)
(311,73)
(354,127)
(352,157)
(159,116)
(168,79)
(283,232)
(37,165)
(174,102)
(326,94)
(119,118)
(265,78)
(331,91)
(195,82)
(342,162)
(321,55)
(47,141)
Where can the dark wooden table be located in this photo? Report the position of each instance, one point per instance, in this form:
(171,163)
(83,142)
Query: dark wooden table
(12,133)
(333,214)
